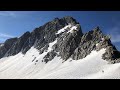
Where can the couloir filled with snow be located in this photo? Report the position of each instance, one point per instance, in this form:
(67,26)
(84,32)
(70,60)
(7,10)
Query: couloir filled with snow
(25,66)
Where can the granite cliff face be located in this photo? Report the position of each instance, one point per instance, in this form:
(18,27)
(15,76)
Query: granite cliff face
(68,38)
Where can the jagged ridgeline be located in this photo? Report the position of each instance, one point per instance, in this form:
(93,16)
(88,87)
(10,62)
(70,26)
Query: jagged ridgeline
(68,41)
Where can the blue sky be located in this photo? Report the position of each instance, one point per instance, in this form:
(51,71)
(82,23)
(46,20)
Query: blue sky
(15,23)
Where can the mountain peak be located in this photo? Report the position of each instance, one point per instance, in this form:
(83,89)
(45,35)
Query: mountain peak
(96,28)
(67,38)
(69,19)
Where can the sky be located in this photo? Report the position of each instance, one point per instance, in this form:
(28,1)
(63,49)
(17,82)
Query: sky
(15,23)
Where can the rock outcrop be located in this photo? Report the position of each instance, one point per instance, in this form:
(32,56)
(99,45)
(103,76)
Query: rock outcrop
(96,40)
(88,43)
(6,46)
(20,45)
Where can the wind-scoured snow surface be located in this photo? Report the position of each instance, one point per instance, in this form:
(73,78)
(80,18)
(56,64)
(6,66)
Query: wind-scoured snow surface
(25,67)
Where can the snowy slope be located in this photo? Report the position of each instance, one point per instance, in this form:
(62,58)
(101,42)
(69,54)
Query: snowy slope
(20,66)
(31,65)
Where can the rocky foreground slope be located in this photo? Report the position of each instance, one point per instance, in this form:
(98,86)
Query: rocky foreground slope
(69,42)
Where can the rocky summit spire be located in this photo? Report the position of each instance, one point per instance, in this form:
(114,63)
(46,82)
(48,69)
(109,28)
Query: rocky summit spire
(38,38)
(96,40)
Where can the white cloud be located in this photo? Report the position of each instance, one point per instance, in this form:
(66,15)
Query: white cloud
(2,40)
(4,36)
(115,34)
(116,38)
(7,13)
